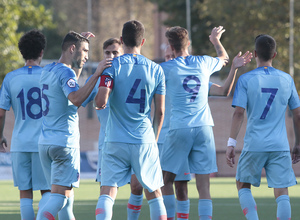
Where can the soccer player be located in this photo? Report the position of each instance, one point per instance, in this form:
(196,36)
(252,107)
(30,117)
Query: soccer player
(265,92)
(187,83)
(112,48)
(181,179)
(59,139)
(131,84)
(20,90)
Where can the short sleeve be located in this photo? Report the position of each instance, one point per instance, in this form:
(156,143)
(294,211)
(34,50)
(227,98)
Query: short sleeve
(68,81)
(161,85)
(294,99)
(5,98)
(240,94)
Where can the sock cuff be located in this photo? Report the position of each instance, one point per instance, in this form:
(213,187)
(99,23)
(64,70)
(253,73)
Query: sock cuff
(243,191)
(205,201)
(282,197)
(158,199)
(183,202)
(104,196)
(26,201)
(137,196)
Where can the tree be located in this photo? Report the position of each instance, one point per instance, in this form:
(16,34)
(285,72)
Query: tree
(243,21)
(16,17)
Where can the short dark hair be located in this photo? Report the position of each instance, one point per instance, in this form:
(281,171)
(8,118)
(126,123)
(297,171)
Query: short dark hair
(133,33)
(111,41)
(73,38)
(31,44)
(178,37)
(265,47)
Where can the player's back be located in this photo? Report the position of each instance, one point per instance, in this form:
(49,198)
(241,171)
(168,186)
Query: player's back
(187,82)
(136,80)
(267,92)
(60,125)
(20,90)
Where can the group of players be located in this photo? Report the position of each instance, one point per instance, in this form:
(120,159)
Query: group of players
(151,154)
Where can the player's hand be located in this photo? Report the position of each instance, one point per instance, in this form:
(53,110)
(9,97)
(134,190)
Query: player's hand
(3,145)
(103,64)
(230,155)
(87,34)
(296,154)
(241,60)
(216,34)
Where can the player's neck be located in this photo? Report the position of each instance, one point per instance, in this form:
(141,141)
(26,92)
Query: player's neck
(65,60)
(260,63)
(33,62)
(132,50)
(182,53)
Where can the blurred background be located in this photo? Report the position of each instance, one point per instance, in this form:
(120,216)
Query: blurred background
(242,19)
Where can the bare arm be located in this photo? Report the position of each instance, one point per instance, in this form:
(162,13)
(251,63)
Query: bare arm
(237,121)
(102,97)
(159,113)
(79,96)
(214,38)
(3,142)
(296,149)
(238,61)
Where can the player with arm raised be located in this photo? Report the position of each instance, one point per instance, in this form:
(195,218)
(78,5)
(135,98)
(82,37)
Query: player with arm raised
(131,84)
(187,83)
(181,179)
(20,90)
(265,92)
(112,48)
(59,139)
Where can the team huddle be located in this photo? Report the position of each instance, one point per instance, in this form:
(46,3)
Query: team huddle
(150,153)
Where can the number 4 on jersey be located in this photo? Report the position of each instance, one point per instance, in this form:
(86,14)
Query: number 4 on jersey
(141,100)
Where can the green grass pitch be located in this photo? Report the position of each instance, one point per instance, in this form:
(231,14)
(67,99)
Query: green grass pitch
(223,192)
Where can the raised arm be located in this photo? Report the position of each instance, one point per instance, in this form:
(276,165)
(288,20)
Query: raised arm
(79,96)
(296,149)
(237,121)
(238,61)
(159,113)
(3,142)
(214,38)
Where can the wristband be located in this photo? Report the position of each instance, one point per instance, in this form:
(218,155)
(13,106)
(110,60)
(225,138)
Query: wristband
(231,142)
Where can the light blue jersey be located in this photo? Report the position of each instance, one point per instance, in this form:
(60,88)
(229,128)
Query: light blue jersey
(60,121)
(136,80)
(265,93)
(21,91)
(187,82)
(101,114)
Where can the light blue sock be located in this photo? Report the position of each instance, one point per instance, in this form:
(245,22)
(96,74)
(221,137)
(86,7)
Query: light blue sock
(67,211)
(183,209)
(169,201)
(205,209)
(44,199)
(134,206)
(26,209)
(283,207)
(55,203)
(104,208)
(248,204)
(157,209)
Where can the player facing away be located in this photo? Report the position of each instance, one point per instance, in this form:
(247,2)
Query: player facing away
(59,139)
(131,84)
(265,92)
(112,48)
(187,83)
(182,205)
(20,90)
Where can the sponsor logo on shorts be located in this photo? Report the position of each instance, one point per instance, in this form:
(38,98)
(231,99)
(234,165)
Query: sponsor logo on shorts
(71,83)
(186,173)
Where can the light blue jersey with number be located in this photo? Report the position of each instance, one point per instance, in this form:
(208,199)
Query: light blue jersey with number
(101,114)
(136,79)
(265,93)
(60,121)
(21,91)
(187,82)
